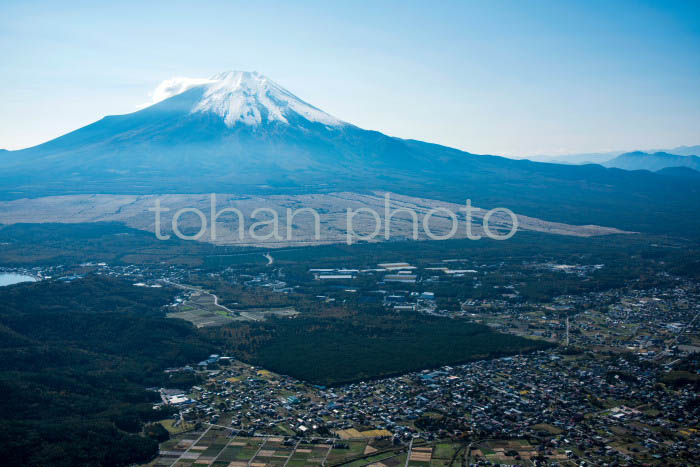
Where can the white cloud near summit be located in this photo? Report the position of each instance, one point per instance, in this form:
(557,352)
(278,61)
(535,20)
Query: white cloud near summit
(172,87)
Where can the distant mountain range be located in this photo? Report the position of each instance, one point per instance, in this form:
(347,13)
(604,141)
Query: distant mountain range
(681,151)
(605,157)
(639,160)
(578,159)
(240,132)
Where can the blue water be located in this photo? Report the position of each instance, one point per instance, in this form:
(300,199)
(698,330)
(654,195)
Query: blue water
(9,278)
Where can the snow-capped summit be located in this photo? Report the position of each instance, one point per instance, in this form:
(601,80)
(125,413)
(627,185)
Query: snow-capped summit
(246,97)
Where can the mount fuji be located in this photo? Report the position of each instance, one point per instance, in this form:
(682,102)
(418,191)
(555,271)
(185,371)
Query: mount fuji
(240,97)
(236,129)
(240,132)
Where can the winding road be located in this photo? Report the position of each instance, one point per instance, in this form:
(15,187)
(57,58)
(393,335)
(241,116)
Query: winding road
(244,314)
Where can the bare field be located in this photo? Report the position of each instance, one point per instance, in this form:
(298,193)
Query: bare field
(133,211)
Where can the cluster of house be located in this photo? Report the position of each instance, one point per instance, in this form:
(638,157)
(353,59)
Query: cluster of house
(609,409)
(578,269)
(600,398)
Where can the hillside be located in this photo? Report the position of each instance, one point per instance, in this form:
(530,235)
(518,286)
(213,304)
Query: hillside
(75,361)
(681,172)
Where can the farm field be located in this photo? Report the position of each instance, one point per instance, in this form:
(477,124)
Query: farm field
(220,446)
(203,310)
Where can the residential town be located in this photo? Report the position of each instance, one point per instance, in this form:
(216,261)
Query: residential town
(609,394)
(620,387)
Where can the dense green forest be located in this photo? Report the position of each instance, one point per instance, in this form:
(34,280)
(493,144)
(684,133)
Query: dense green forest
(51,244)
(330,350)
(75,361)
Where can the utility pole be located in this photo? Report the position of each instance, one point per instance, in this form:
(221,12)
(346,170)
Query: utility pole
(566,341)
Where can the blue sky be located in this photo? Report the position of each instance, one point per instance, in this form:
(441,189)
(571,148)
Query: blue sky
(516,78)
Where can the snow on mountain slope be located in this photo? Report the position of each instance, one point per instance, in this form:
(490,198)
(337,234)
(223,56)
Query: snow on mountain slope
(245,97)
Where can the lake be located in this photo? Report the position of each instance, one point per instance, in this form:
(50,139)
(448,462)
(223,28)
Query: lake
(9,278)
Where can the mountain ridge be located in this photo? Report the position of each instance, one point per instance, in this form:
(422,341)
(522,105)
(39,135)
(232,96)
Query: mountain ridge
(603,157)
(684,172)
(639,160)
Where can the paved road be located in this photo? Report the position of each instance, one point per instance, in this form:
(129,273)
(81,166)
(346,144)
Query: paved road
(245,314)
(408,455)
